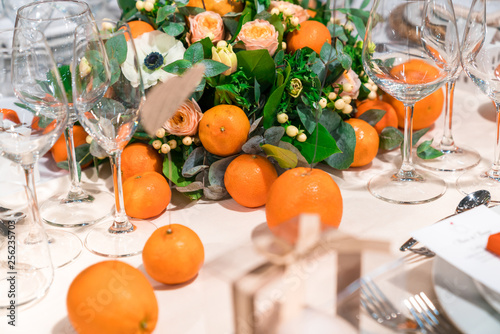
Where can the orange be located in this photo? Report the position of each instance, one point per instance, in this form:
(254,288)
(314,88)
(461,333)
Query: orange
(9,114)
(427,110)
(312,34)
(112,297)
(139,158)
(224,129)
(248,179)
(59,150)
(304,190)
(221,7)
(390,118)
(146,195)
(137,28)
(173,254)
(367,141)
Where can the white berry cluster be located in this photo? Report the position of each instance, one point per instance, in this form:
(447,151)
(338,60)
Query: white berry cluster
(373,89)
(164,145)
(147,5)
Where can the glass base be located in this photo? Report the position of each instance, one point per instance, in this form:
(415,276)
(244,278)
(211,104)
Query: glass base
(102,242)
(474,180)
(90,208)
(454,160)
(420,187)
(64,247)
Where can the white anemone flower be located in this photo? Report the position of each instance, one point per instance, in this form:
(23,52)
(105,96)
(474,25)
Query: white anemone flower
(155,50)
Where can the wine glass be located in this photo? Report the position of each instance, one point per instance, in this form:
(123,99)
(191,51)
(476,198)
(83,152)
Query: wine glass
(410,50)
(481,62)
(28,128)
(111,122)
(82,205)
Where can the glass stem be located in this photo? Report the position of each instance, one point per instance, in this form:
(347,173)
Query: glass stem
(407,169)
(75,191)
(33,236)
(447,142)
(121,223)
(494,170)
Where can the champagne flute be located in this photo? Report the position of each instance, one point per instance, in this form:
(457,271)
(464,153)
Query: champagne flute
(82,205)
(28,130)
(409,59)
(111,122)
(481,62)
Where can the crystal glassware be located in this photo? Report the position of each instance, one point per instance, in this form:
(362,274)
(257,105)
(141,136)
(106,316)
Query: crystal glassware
(410,50)
(111,122)
(481,62)
(84,204)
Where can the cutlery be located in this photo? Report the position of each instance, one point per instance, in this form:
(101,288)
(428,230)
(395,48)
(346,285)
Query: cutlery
(382,310)
(427,315)
(472,200)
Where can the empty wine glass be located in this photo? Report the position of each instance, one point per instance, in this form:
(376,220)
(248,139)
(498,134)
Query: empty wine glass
(28,129)
(481,62)
(111,122)
(83,204)
(410,50)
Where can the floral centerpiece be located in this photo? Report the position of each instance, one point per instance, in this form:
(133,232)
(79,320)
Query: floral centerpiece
(294,69)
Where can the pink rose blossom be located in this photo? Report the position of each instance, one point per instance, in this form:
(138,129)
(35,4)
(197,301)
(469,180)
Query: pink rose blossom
(297,10)
(352,78)
(185,120)
(206,24)
(259,34)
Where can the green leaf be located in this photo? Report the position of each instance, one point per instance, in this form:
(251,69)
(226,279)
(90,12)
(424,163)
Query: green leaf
(172,169)
(346,141)
(116,48)
(418,134)
(426,151)
(246,16)
(207,47)
(326,145)
(278,25)
(390,138)
(327,53)
(372,116)
(163,12)
(194,53)
(360,26)
(213,68)
(114,68)
(190,11)
(126,5)
(285,158)
(307,117)
(178,67)
(65,74)
(271,107)
(258,64)
(173,28)
(181,3)
(331,121)
(344,58)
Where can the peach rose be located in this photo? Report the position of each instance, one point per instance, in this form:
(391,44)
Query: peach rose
(259,34)
(296,10)
(206,24)
(352,78)
(185,120)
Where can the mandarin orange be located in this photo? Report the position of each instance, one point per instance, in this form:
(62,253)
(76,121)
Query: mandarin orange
(173,254)
(367,142)
(390,118)
(248,179)
(223,129)
(59,150)
(9,114)
(112,297)
(304,190)
(221,7)
(312,34)
(139,158)
(137,28)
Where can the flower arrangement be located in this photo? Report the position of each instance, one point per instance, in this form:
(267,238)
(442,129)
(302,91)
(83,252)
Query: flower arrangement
(295,86)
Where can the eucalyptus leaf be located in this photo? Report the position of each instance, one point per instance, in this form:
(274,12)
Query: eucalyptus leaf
(426,151)
(194,186)
(284,157)
(274,134)
(173,28)
(255,124)
(207,47)
(194,53)
(218,169)
(390,138)
(327,52)
(213,68)
(96,150)
(346,141)
(194,163)
(418,134)
(178,67)
(116,48)
(372,116)
(331,121)
(307,117)
(190,11)
(163,12)
(215,192)
(252,146)
(360,26)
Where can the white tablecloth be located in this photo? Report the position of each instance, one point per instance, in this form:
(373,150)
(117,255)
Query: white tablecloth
(203,306)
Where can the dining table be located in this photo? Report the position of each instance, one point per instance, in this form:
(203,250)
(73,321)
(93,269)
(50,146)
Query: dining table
(206,304)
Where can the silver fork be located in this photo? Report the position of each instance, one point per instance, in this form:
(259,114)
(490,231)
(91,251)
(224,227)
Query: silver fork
(382,310)
(427,315)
